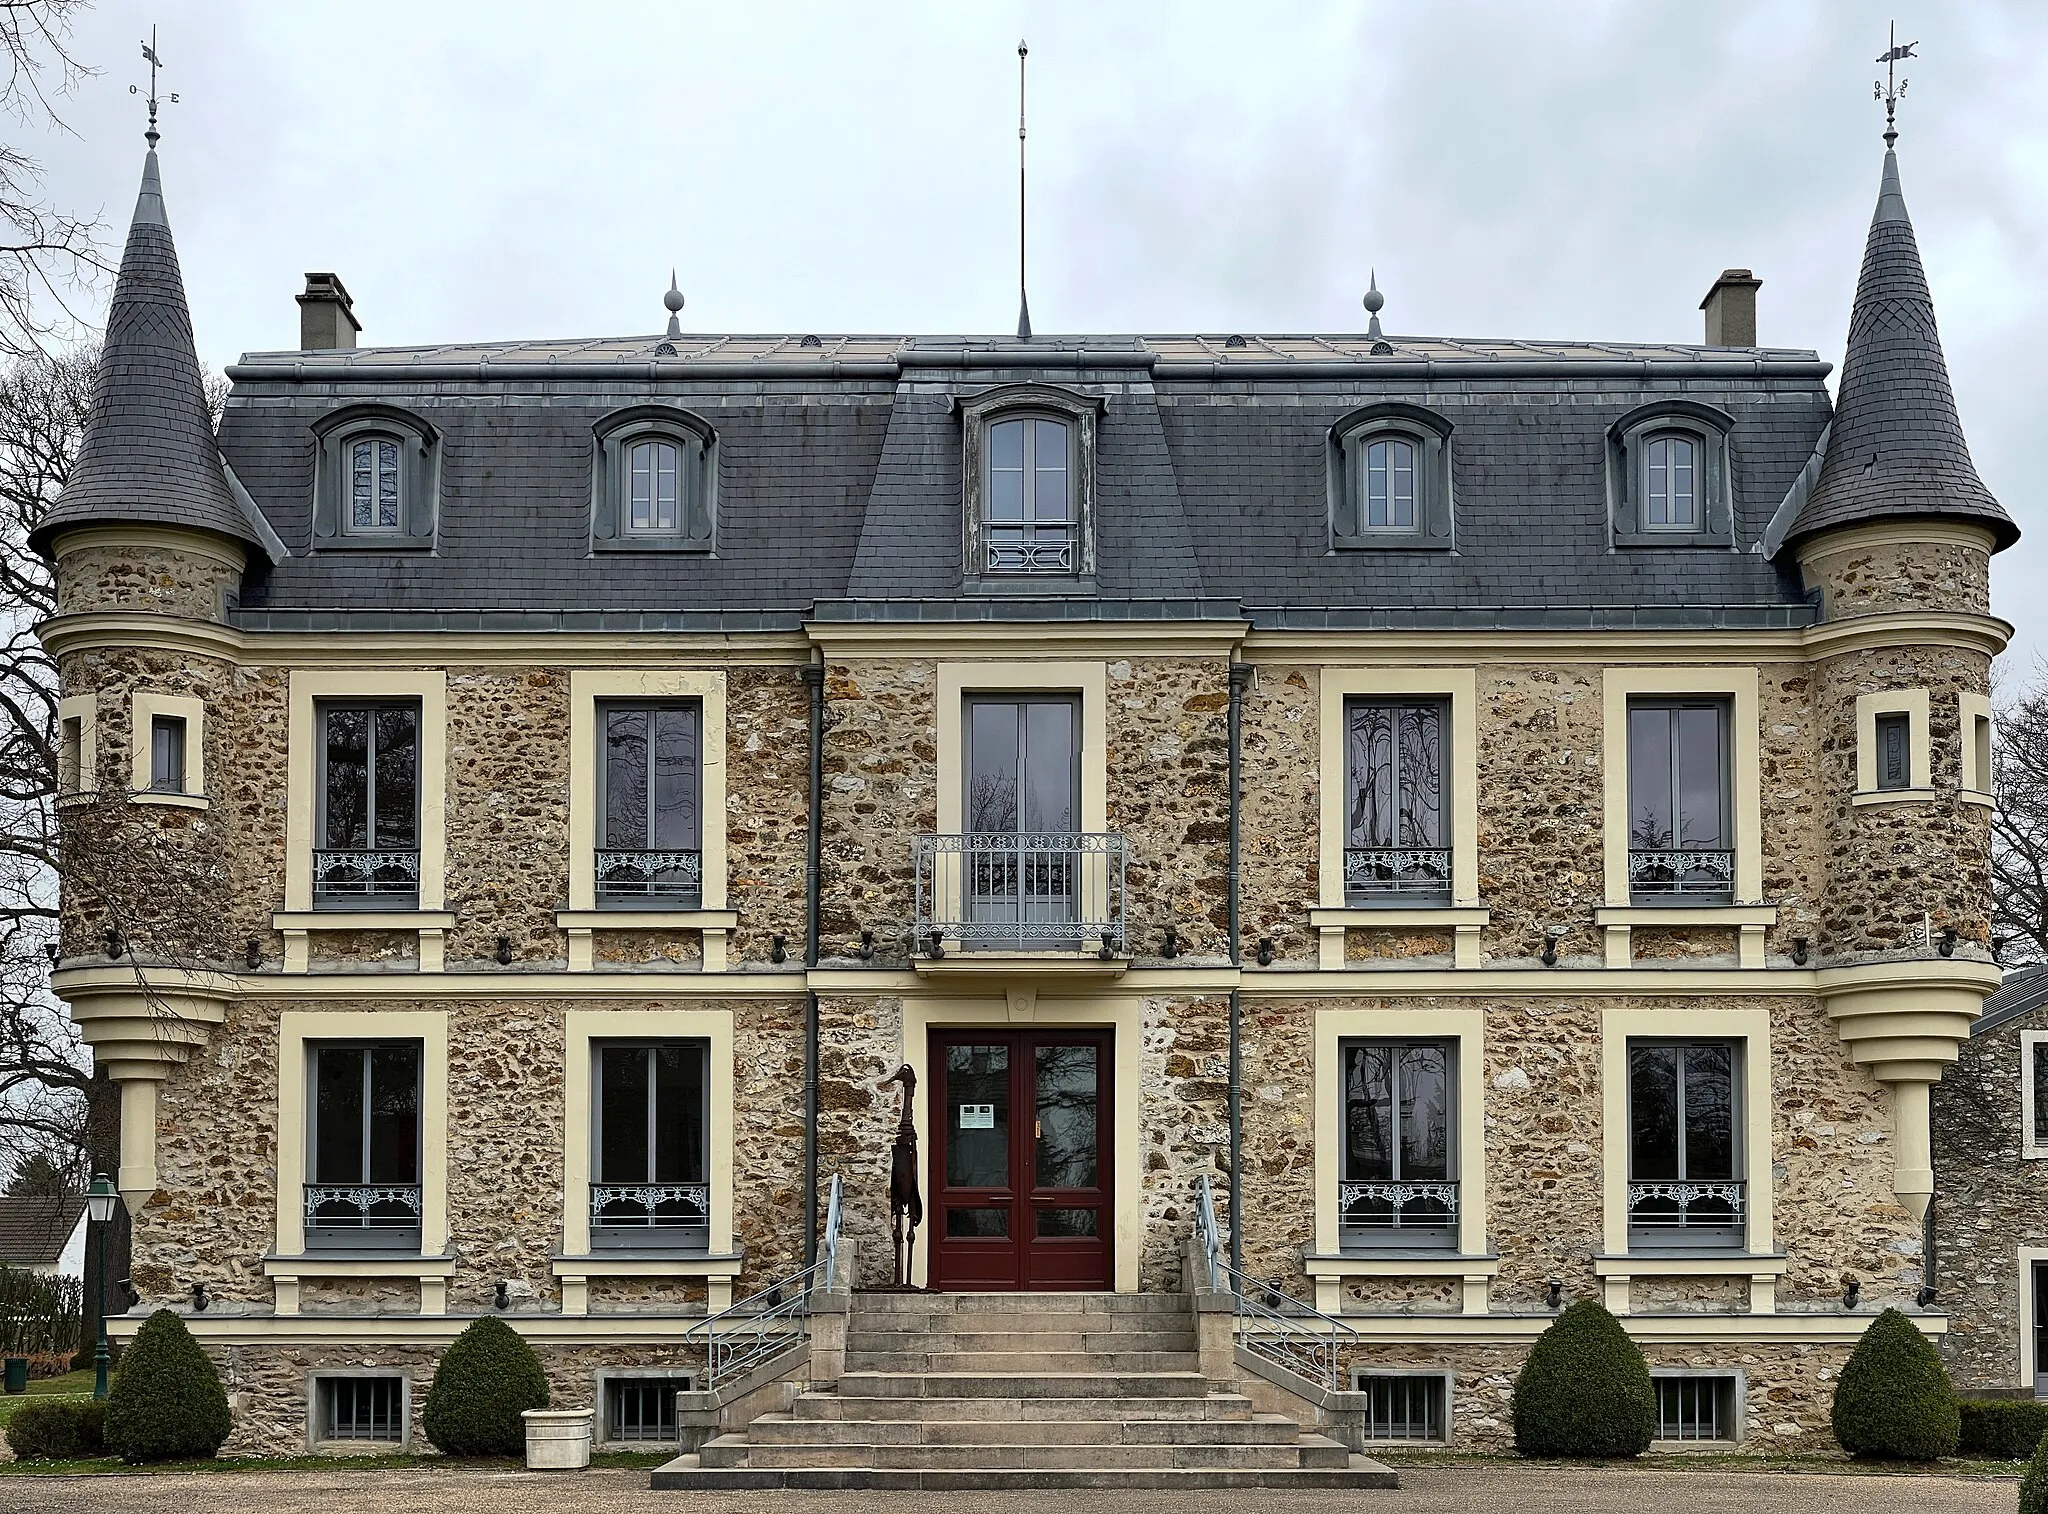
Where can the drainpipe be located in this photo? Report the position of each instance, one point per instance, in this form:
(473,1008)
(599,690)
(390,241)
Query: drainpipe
(1240,675)
(814,680)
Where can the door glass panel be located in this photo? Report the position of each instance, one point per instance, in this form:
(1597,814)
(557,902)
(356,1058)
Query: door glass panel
(338,1115)
(397,777)
(1425,1111)
(992,779)
(1048,778)
(1067,1222)
(1709,1112)
(972,1222)
(1649,778)
(1653,1112)
(2041,1318)
(977,1119)
(1699,777)
(622,1112)
(394,1114)
(1368,1107)
(1066,1117)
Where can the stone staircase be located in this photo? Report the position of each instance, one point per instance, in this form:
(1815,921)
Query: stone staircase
(1009,1390)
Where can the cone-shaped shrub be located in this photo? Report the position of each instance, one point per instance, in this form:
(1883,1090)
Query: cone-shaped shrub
(1585,1390)
(166,1402)
(1894,1401)
(483,1382)
(2034,1485)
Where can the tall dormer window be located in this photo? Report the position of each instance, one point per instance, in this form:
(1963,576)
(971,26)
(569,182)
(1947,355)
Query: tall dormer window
(1668,478)
(654,483)
(1028,467)
(1670,492)
(1390,478)
(376,489)
(375,479)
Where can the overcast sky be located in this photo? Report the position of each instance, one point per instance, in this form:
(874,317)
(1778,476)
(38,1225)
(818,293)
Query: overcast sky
(1567,170)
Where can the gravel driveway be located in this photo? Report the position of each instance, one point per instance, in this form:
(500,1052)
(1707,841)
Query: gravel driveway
(1428,1490)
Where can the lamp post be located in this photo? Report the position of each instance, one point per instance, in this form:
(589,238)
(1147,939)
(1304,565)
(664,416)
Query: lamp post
(100,1198)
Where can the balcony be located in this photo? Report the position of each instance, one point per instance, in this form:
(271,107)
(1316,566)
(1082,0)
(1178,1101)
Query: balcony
(1412,1214)
(1404,875)
(356,879)
(656,879)
(1032,892)
(1683,1213)
(651,1216)
(362,1216)
(1680,875)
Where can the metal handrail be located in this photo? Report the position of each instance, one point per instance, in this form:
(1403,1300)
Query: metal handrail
(1020,890)
(1284,1330)
(764,1325)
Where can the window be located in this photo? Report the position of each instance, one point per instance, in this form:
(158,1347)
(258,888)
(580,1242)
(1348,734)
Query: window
(1670,493)
(654,482)
(363,1189)
(649,1185)
(1684,1186)
(1680,838)
(1390,484)
(368,826)
(1894,751)
(1973,711)
(650,782)
(166,754)
(375,480)
(1398,1186)
(360,1408)
(653,472)
(642,1409)
(1390,478)
(375,487)
(1397,843)
(71,755)
(1698,1406)
(2034,1093)
(1405,1405)
(1031,525)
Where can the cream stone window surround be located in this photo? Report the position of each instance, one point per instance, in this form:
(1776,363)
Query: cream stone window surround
(1471,1263)
(1747,913)
(582,919)
(1081,414)
(144,706)
(288,1264)
(1087,680)
(318,1444)
(1914,705)
(578,1263)
(1758,1260)
(78,733)
(1465,917)
(298,918)
(1975,721)
(2033,1044)
(2028,1258)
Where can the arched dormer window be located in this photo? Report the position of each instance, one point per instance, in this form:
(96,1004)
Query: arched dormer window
(375,479)
(654,482)
(1668,477)
(1390,478)
(1028,464)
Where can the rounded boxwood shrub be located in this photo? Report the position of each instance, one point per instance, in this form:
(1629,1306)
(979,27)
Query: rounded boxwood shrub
(166,1402)
(482,1383)
(2002,1429)
(2034,1485)
(58,1429)
(1894,1401)
(1585,1390)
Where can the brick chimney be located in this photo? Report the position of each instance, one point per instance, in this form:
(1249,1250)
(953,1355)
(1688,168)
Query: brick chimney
(327,316)
(1731,309)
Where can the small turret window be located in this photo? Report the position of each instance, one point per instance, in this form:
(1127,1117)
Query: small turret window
(375,486)
(1670,491)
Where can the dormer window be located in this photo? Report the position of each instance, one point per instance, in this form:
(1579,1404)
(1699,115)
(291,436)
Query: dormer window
(1670,493)
(376,491)
(1668,476)
(1390,478)
(654,483)
(1028,467)
(375,479)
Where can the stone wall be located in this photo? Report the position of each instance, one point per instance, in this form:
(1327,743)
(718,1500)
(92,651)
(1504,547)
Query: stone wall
(1279,818)
(1167,778)
(160,580)
(508,812)
(767,800)
(881,755)
(1859,577)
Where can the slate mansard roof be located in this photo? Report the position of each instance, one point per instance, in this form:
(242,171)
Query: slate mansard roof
(840,483)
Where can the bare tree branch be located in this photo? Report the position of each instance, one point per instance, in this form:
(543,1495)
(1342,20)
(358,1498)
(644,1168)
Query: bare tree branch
(48,259)
(2019,828)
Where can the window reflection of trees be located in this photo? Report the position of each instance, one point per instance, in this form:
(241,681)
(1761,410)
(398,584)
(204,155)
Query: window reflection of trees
(1396,773)
(1396,1112)
(1067,1093)
(978,1158)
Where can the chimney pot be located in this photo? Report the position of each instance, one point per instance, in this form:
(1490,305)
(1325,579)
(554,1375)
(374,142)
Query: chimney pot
(1731,309)
(327,316)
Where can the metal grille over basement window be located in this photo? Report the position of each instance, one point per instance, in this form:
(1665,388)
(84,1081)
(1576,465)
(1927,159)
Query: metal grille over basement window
(362,1408)
(641,1408)
(1696,1408)
(1403,1408)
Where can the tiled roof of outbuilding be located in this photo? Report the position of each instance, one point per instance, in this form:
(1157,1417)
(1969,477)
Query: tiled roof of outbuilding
(34,1231)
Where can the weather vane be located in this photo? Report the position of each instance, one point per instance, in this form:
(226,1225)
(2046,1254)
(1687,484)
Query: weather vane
(155,63)
(1892,87)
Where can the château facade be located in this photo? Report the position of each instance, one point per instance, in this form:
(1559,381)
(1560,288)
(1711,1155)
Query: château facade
(1511,816)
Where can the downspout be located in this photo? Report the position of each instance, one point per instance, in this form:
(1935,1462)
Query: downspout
(814,680)
(1240,675)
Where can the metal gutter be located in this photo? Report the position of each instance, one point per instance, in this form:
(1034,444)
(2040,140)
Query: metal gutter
(1240,676)
(814,681)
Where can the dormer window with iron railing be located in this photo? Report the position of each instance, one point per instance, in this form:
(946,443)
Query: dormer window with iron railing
(1399,1182)
(650,849)
(1397,841)
(1681,847)
(363,1192)
(1031,524)
(368,856)
(1685,1183)
(649,1185)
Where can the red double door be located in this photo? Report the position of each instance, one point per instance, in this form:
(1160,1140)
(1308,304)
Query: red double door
(1020,1160)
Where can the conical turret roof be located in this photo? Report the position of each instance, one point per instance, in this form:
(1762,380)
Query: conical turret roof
(149,455)
(1896,447)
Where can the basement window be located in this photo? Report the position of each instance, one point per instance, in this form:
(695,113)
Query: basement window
(360,1409)
(642,1410)
(1704,1406)
(1404,1406)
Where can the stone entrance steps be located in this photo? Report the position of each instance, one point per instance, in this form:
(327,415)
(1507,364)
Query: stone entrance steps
(974,1391)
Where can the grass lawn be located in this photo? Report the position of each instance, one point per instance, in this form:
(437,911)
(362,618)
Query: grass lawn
(71,1384)
(1728,1461)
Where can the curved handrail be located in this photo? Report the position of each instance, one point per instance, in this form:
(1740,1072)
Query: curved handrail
(1285,1331)
(764,1325)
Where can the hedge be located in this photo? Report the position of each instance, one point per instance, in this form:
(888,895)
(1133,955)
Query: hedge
(166,1403)
(58,1429)
(2034,1485)
(2002,1429)
(1585,1390)
(480,1386)
(1893,1401)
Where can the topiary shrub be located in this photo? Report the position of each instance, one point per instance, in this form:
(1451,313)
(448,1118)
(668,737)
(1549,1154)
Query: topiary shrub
(166,1402)
(58,1429)
(1894,1401)
(2002,1429)
(2034,1485)
(1585,1390)
(482,1383)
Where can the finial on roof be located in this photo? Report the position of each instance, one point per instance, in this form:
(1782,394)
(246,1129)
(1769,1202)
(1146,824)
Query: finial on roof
(1023,299)
(1374,303)
(674,301)
(152,136)
(1892,88)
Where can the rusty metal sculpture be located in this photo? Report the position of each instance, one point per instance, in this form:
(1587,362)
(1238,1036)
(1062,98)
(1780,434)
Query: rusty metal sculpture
(905,1202)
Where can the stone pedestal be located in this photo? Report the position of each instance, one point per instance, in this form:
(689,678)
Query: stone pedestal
(558,1440)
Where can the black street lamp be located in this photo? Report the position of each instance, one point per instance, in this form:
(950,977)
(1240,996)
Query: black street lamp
(100,1199)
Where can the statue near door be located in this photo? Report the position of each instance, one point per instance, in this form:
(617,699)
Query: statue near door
(905,1202)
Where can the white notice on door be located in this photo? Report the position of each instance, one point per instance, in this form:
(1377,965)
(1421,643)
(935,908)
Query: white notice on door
(977,1117)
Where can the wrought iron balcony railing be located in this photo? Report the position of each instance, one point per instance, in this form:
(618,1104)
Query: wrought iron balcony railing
(1404,1213)
(362,1215)
(1031,548)
(1681,873)
(664,877)
(1407,873)
(367,878)
(669,1215)
(1022,891)
(1684,1211)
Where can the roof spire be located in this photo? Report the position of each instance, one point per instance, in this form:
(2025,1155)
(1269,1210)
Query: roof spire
(152,136)
(1374,303)
(1023,300)
(673,300)
(1893,88)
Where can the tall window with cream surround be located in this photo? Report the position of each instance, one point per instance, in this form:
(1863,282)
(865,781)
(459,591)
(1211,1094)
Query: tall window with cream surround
(650,783)
(2034,1094)
(1680,838)
(368,854)
(1399,1185)
(363,1187)
(1685,1184)
(1397,843)
(650,1178)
